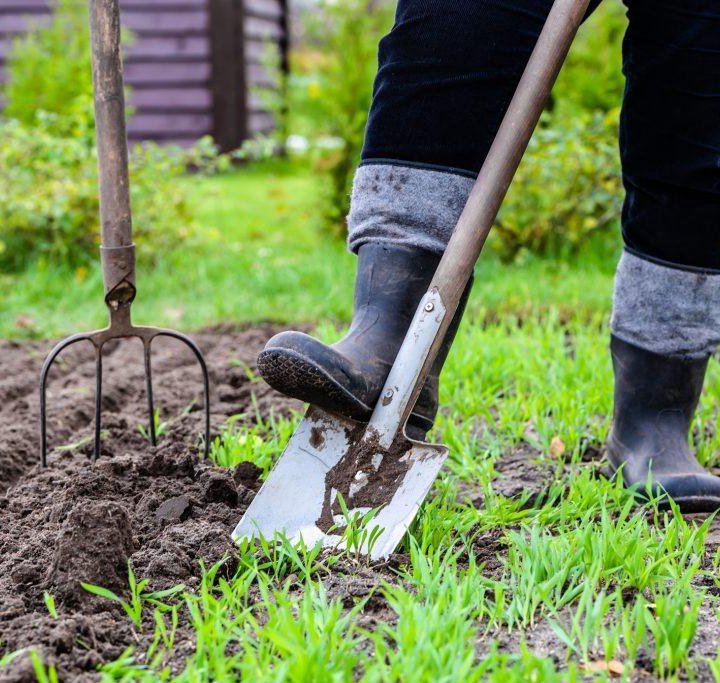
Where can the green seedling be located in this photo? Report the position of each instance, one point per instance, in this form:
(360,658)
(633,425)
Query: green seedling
(9,657)
(43,674)
(714,666)
(138,596)
(160,426)
(439,607)
(260,443)
(586,627)
(297,638)
(49,600)
(359,534)
(673,624)
(80,443)
(164,635)
(279,557)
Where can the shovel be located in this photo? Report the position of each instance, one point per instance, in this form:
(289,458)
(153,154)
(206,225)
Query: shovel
(340,482)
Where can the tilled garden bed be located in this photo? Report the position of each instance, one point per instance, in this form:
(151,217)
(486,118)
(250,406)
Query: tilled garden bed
(163,509)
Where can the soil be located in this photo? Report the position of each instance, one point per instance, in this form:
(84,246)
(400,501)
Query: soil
(164,510)
(367,476)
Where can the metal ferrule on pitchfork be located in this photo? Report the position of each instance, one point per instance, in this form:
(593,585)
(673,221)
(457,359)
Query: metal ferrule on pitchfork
(117,250)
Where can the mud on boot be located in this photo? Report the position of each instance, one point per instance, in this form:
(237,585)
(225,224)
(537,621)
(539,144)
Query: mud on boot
(347,377)
(655,400)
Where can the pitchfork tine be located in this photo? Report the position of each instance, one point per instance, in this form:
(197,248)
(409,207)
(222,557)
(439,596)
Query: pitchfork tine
(149,391)
(206,380)
(98,401)
(61,346)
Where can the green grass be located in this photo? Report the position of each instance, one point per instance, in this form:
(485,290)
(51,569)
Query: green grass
(262,255)
(611,583)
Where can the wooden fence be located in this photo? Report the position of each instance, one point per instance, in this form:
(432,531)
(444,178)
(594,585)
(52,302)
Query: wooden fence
(192,67)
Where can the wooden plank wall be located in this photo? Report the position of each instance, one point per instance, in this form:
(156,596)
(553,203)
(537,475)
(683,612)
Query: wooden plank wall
(189,59)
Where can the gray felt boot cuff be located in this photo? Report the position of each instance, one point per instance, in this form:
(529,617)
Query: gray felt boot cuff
(405,205)
(666,310)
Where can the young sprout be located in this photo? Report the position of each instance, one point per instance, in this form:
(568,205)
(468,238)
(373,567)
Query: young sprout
(138,596)
(49,599)
(160,426)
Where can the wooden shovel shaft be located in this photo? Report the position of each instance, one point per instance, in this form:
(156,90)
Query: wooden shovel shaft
(417,353)
(507,151)
(110,129)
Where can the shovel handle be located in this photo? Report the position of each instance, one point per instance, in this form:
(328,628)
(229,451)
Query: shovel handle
(110,131)
(438,307)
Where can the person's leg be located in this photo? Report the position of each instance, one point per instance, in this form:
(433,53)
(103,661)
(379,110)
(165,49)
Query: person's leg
(447,71)
(666,313)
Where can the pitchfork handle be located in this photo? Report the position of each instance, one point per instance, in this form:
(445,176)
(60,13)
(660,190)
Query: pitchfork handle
(117,250)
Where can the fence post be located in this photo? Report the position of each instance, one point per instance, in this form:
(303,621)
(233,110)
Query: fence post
(229,82)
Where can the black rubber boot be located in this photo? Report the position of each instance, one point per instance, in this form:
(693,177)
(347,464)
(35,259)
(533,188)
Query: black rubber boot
(347,377)
(655,399)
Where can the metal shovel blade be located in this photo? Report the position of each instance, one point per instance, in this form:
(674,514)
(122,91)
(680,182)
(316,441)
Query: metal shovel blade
(292,499)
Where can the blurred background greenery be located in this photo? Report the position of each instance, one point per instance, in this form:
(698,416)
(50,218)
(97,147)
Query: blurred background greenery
(259,234)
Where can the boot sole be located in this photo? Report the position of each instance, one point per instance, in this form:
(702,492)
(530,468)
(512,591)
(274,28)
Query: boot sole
(297,376)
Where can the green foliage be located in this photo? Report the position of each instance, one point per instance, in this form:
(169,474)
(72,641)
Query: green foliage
(43,674)
(138,596)
(279,557)
(567,188)
(259,444)
(592,79)
(49,70)
(673,623)
(49,600)
(49,203)
(161,427)
(330,91)
(359,530)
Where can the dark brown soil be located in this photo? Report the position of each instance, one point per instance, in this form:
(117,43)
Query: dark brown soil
(367,476)
(162,509)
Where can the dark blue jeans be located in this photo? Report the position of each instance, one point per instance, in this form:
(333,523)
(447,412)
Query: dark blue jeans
(448,69)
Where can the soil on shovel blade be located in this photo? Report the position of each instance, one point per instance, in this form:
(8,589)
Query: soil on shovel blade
(163,509)
(367,476)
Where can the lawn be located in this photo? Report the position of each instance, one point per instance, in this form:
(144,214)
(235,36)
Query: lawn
(261,255)
(525,564)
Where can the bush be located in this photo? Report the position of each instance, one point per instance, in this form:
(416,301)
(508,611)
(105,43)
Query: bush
(49,69)
(568,187)
(592,77)
(49,202)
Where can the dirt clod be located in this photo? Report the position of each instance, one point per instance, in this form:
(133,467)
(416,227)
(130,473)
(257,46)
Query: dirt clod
(94,545)
(175,509)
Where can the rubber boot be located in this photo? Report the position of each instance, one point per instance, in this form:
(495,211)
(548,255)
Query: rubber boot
(655,399)
(347,377)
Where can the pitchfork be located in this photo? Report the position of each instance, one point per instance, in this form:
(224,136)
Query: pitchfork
(117,249)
